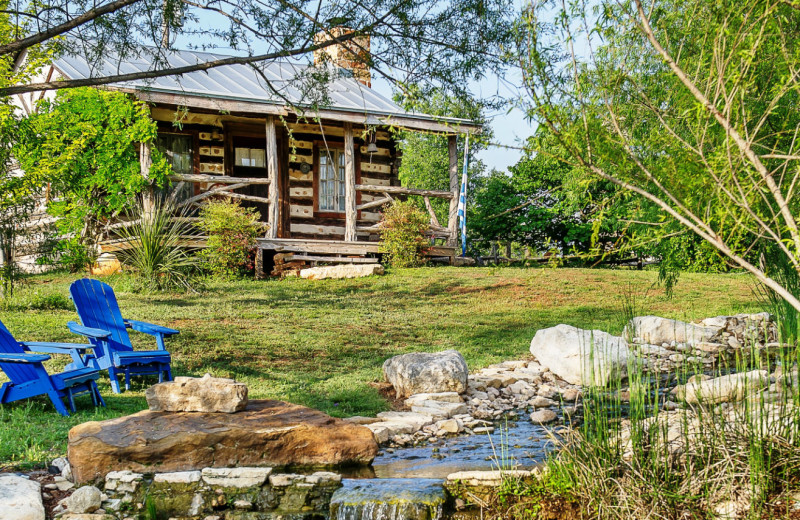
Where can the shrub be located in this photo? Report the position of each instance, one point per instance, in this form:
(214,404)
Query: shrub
(403,238)
(157,258)
(232,231)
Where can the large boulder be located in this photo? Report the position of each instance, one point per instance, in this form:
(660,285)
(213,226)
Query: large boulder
(265,434)
(341,271)
(192,394)
(657,331)
(581,357)
(20,499)
(423,372)
(732,387)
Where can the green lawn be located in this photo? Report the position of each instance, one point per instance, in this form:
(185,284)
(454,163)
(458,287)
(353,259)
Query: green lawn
(321,343)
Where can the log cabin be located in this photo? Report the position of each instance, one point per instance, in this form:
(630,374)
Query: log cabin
(318,171)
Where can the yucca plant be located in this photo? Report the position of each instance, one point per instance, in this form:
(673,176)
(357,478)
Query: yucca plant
(156,255)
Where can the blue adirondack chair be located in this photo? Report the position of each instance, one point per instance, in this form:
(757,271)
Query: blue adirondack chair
(103,325)
(28,377)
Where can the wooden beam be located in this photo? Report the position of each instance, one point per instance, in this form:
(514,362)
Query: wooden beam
(273,215)
(310,246)
(350,214)
(429,207)
(404,191)
(206,102)
(452,152)
(215,191)
(252,198)
(217,179)
(148,195)
(375,203)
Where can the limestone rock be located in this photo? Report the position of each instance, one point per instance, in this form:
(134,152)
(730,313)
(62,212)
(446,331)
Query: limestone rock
(192,394)
(444,397)
(657,331)
(422,372)
(235,477)
(581,357)
(732,387)
(85,499)
(439,409)
(265,434)
(341,271)
(21,499)
(543,416)
(491,478)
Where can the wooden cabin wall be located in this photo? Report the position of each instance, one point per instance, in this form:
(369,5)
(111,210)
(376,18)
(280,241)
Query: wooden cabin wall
(378,169)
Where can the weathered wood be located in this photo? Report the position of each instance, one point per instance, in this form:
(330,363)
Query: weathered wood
(429,207)
(336,259)
(145,161)
(375,203)
(317,246)
(452,152)
(218,190)
(400,190)
(215,179)
(374,227)
(273,216)
(217,104)
(349,185)
(251,198)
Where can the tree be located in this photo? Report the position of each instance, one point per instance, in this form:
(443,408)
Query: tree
(445,42)
(691,105)
(85,144)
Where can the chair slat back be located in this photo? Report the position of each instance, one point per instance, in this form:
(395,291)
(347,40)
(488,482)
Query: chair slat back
(97,307)
(18,373)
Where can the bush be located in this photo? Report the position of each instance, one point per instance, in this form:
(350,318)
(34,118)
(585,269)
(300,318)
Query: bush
(403,238)
(157,257)
(232,231)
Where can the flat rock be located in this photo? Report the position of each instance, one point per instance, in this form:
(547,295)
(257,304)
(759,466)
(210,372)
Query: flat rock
(417,420)
(197,394)
(732,387)
(265,434)
(581,357)
(439,409)
(20,499)
(341,271)
(423,372)
(444,397)
(487,478)
(235,477)
(657,331)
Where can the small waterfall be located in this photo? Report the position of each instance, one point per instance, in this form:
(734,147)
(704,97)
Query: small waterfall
(389,499)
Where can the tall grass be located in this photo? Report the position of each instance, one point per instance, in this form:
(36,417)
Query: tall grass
(627,460)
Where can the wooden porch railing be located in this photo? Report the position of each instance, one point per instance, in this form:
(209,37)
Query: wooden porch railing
(436,229)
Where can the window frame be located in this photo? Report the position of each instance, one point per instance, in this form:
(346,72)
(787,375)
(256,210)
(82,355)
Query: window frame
(338,146)
(195,137)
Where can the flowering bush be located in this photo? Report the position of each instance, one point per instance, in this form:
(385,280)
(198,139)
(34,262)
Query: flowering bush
(403,238)
(232,231)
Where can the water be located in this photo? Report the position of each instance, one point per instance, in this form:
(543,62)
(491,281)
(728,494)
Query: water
(526,445)
(388,499)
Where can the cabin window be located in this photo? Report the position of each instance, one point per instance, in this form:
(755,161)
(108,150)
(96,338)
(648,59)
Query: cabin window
(177,149)
(331,180)
(251,157)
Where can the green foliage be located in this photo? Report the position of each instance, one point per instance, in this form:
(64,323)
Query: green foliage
(157,257)
(84,143)
(403,238)
(232,231)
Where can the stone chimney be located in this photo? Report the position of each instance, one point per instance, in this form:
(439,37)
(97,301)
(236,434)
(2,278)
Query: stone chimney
(352,55)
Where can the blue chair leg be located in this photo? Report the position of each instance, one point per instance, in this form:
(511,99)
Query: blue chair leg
(169,373)
(127,379)
(160,374)
(70,400)
(112,374)
(96,394)
(58,403)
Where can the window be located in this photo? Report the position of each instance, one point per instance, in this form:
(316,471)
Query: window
(252,157)
(177,148)
(331,180)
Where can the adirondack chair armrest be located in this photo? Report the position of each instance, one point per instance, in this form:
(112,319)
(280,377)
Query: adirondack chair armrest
(23,358)
(87,331)
(150,328)
(55,348)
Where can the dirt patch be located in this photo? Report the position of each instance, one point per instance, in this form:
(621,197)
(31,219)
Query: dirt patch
(558,508)
(387,392)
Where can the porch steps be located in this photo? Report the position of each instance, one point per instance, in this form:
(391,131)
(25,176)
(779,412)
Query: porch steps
(290,264)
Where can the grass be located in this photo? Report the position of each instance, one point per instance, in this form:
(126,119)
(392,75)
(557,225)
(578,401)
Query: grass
(320,343)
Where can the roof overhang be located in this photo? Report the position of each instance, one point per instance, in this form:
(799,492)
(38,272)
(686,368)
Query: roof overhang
(409,121)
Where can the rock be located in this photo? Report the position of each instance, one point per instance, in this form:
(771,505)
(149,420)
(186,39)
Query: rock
(21,499)
(487,478)
(656,330)
(422,372)
(178,477)
(581,357)
(543,416)
(542,402)
(358,419)
(123,481)
(63,484)
(192,394)
(87,499)
(341,271)
(448,425)
(444,397)
(733,387)
(235,477)
(570,394)
(439,409)
(463,261)
(266,433)
(416,420)
(86,516)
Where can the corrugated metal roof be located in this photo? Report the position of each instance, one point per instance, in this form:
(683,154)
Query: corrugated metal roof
(240,82)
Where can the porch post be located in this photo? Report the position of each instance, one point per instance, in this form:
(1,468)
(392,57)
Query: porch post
(273,216)
(148,195)
(452,224)
(349,185)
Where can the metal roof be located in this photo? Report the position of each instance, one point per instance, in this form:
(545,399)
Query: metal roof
(267,83)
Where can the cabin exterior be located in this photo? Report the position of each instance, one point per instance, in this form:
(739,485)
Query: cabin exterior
(317,173)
